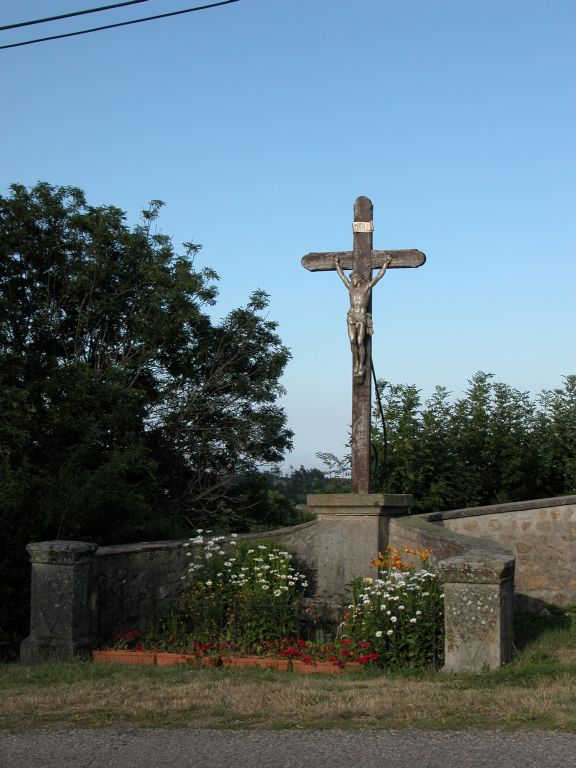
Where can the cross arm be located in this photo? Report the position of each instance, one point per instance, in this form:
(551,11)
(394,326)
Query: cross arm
(321,262)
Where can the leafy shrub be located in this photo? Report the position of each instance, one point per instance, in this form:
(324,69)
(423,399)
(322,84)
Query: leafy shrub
(239,592)
(400,614)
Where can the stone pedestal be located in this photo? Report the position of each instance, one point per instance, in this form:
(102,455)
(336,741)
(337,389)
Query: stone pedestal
(61,613)
(352,529)
(478,606)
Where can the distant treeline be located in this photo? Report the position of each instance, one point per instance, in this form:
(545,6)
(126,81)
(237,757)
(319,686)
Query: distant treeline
(298,483)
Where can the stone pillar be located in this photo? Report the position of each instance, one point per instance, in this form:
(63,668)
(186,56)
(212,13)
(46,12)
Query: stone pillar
(61,610)
(352,529)
(478,610)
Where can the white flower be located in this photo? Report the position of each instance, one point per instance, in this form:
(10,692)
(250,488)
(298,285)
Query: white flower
(412,621)
(208,583)
(379,633)
(393,619)
(390,632)
(418,613)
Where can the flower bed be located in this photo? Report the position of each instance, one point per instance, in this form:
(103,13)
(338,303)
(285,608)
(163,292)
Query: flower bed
(399,617)
(241,607)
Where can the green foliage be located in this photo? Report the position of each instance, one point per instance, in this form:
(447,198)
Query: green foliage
(298,483)
(400,616)
(263,502)
(491,446)
(126,412)
(238,592)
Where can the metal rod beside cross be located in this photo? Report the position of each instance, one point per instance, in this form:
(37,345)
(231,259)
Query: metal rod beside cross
(361,260)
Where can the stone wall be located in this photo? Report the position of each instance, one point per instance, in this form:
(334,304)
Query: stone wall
(134,584)
(478,580)
(540,533)
(82,594)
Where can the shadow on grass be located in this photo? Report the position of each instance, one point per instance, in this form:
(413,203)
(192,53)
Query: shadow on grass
(531,626)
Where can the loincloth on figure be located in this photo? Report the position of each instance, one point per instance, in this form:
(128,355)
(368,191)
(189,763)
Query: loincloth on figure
(364,319)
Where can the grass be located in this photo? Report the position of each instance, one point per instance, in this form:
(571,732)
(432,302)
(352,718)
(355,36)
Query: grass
(536,691)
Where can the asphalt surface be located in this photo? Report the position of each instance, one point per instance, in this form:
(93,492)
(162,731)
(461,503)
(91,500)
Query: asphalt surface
(110,748)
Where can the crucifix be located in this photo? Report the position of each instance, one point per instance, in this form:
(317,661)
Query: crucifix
(361,260)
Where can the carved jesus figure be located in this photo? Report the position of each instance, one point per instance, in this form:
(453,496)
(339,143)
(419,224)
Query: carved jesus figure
(359,319)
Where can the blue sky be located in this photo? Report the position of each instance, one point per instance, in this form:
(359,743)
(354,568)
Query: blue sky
(259,123)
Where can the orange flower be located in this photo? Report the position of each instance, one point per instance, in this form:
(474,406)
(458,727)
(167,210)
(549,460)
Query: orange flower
(391,558)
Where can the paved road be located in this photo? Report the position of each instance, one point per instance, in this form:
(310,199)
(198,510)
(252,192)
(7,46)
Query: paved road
(111,748)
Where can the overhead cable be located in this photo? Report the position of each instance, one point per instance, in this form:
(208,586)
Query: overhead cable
(69,15)
(119,24)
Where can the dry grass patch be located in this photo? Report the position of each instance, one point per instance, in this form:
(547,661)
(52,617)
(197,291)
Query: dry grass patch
(224,699)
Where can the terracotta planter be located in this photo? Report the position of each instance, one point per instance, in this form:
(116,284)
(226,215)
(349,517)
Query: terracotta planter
(166,659)
(124,657)
(260,662)
(319,667)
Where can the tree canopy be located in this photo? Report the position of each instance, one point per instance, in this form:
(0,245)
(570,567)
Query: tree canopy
(126,410)
(495,444)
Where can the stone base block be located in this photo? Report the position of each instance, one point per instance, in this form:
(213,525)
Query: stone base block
(34,650)
(352,529)
(478,609)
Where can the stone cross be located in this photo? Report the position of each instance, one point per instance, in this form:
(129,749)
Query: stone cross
(362,260)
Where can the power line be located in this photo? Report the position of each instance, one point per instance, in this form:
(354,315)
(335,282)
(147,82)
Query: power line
(119,24)
(69,15)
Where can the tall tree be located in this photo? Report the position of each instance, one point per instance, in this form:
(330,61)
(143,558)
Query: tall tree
(126,411)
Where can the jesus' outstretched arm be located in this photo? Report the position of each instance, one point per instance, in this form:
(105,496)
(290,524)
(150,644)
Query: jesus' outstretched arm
(380,275)
(340,273)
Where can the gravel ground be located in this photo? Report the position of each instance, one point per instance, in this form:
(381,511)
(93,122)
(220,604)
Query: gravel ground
(110,748)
